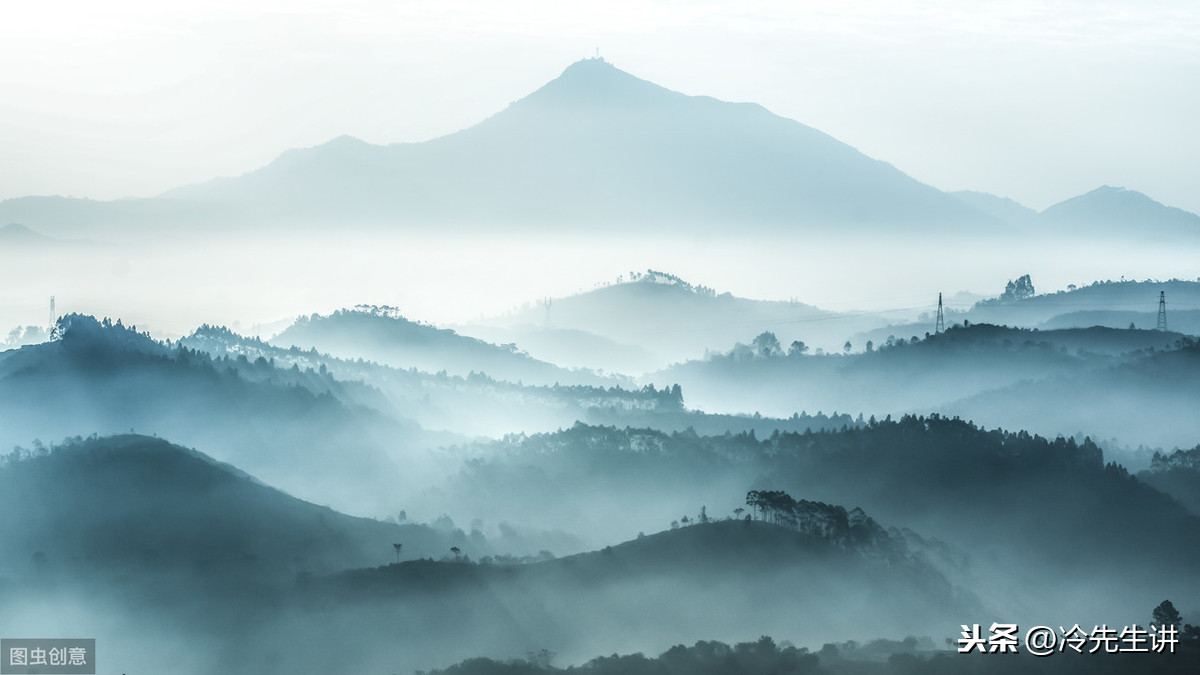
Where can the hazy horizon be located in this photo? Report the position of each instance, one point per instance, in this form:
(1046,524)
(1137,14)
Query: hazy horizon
(259,283)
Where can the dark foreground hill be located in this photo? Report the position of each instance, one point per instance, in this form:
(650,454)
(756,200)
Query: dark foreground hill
(744,577)
(136,506)
(989,495)
(883,656)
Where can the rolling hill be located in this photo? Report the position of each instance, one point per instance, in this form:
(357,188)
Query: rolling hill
(130,504)
(634,595)
(944,478)
(381,334)
(282,425)
(668,318)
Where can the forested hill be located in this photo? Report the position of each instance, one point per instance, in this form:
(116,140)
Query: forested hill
(667,318)
(615,594)
(139,506)
(381,334)
(278,424)
(1103,382)
(437,400)
(1107,303)
(939,476)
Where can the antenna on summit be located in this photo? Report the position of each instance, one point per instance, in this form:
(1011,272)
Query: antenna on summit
(1162,311)
(940,327)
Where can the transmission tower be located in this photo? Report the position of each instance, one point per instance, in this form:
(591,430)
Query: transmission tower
(1162,311)
(50,327)
(941,318)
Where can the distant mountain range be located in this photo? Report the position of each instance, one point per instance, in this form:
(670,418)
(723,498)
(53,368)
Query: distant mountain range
(598,148)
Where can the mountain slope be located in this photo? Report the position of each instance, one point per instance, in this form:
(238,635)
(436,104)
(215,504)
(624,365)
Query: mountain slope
(1001,208)
(662,588)
(381,334)
(1103,382)
(281,425)
(943,477)
(437,401)
(140,505)
(673,319)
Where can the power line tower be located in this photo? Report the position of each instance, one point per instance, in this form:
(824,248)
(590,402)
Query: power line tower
(941,318)
(1162,311)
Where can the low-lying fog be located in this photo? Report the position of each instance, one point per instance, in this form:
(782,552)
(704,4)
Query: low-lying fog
(170,284)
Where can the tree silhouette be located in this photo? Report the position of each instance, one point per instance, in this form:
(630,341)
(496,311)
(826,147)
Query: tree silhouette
(754,501)
(1018,290)
(456,551)
(397,547)
(766,345)
(1166,615)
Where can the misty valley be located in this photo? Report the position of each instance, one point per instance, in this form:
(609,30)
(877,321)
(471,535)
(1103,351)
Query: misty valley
(586,432)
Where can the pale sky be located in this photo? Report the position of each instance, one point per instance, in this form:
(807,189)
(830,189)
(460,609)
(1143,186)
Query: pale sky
(1035,101)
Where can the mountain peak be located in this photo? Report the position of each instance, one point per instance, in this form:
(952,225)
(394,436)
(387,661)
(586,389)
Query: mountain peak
(595,82)
(1109,194)
(594,64)
(1118,207)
